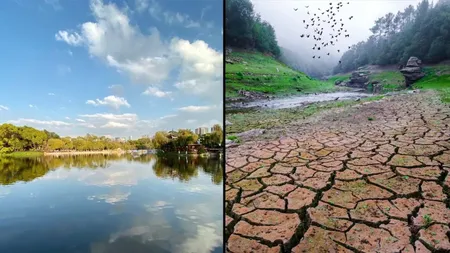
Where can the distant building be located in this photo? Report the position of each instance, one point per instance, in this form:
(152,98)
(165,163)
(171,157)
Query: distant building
(130,138)
(201,131)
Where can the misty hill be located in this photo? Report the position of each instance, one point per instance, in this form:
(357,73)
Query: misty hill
(262,73)
(302,62)
(423,32)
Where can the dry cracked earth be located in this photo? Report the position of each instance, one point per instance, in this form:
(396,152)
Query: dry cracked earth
(346,184)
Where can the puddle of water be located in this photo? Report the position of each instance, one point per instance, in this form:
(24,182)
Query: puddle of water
(297,101)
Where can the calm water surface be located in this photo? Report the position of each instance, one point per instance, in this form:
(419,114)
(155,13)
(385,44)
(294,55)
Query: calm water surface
(103,204)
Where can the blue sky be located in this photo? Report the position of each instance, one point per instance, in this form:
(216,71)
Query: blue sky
(120,68)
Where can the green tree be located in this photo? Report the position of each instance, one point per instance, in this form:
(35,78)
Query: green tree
(160,139)
(55,144)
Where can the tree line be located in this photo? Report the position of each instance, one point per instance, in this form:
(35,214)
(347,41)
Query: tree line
(25,138)
(246,30)
(423,32)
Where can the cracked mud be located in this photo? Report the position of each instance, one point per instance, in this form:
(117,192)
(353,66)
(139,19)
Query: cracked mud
(346,184)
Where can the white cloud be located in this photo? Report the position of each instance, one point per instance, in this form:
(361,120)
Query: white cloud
(190,121)
(201,68)
(113,124)
(112,101)
(204,10)
(128,117)
(39,122)
(145,58)
(172,18)
(51,94)
(141,5)
(68,118)
(168,116)
(32,106)
(4,108)
(194,108)
(153,91)
(73,39)
(70,52)
(80,120)
(111,198)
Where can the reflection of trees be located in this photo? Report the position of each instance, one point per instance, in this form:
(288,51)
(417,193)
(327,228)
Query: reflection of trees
(184,168)
(27,169)
(13,170)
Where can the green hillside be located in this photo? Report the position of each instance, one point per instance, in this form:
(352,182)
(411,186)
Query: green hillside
(437,77)
(257,72)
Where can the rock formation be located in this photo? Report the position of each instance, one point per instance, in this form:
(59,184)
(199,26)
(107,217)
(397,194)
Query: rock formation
(413,71)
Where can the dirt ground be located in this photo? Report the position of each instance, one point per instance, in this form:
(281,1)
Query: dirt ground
(371,178)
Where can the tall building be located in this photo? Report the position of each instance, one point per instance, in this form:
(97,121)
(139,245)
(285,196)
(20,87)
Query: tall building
(201,131)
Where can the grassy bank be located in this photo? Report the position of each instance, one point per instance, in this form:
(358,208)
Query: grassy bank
(257,72)
(437,78)
(23,154)
(272,118)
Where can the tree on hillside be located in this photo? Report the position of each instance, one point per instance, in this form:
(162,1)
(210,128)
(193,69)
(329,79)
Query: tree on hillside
(246,30)
(423,32)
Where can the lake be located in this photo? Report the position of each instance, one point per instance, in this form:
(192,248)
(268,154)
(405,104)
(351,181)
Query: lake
(111,203)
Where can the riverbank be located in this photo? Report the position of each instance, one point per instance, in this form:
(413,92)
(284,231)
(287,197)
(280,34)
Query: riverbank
(102,152)
(23,154)
(262,118)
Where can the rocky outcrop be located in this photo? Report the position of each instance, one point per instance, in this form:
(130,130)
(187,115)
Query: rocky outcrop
(412,71)
(358,79)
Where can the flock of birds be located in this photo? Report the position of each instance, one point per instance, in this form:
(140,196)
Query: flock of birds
(326,17)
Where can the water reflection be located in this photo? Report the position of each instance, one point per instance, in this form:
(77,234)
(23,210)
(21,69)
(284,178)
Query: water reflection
(111,203)
(13,170)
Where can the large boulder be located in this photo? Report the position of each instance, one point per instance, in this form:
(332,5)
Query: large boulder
(412,71)
(359,79)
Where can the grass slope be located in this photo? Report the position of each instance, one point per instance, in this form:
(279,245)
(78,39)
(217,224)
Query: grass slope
(437,78)
(260,73)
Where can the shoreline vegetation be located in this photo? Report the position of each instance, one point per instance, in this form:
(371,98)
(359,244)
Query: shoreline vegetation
(25,142)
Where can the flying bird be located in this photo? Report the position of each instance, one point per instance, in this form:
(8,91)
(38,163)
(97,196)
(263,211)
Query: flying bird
(351,17)
(295,9)
(339,50)
(307,6)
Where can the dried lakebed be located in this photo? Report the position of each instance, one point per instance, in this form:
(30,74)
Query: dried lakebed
(346,183)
